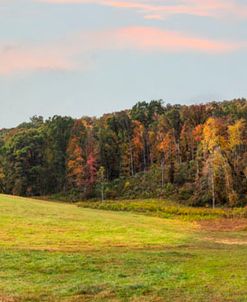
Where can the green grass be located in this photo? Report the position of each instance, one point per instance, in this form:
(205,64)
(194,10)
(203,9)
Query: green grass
(58,252)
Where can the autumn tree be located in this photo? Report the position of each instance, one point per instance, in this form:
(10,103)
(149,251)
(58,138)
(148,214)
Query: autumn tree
(217,167)
(198,151)
(81,162)
(168,147)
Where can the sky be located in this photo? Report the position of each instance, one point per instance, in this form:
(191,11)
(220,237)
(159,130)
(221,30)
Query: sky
(89,57)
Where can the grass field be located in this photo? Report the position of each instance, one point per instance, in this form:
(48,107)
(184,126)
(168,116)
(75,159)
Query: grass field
(59,252)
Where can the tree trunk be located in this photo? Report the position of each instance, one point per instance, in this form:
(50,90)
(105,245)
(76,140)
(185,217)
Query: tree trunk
(162,173)
(131,159)
(213,187)
(102,191)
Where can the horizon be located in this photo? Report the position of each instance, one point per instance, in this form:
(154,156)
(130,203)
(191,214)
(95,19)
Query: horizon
(117,111)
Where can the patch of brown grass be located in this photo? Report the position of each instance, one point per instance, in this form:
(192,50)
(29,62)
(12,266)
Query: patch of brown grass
(7,299)
(224,225)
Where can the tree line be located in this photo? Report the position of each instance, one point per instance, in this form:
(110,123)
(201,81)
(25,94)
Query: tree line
(195,153)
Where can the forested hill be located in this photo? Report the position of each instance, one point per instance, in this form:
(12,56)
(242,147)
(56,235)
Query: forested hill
(197,154)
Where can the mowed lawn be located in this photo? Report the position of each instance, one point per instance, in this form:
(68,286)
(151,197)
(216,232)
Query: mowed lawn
(59,252)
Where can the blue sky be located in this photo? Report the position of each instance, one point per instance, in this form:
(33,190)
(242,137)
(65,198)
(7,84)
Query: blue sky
(89,57)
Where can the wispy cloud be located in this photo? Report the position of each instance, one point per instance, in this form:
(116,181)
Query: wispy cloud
(155,39)
(16,58)
(157,9)
(63,55)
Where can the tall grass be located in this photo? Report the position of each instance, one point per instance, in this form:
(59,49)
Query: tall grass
(166,209)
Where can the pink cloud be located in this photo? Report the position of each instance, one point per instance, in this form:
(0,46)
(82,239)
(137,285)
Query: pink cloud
(151,39)
(162,9)
(63,55)
(153,17)
(154,39)
(18,59)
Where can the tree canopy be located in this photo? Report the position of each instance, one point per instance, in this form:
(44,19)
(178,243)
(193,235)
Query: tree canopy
(195,153)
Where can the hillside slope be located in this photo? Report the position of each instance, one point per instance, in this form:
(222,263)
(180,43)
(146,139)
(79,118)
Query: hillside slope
(58,252)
